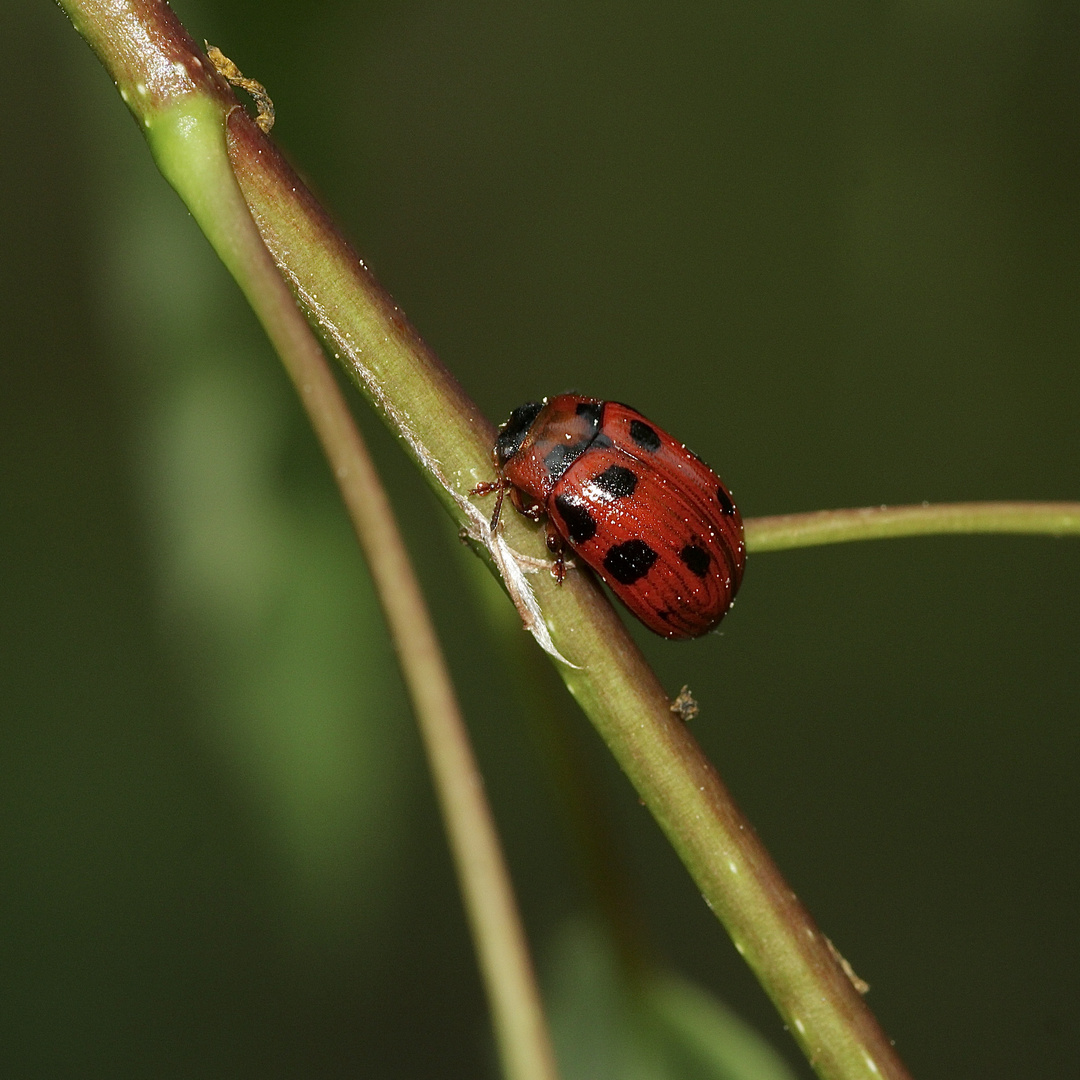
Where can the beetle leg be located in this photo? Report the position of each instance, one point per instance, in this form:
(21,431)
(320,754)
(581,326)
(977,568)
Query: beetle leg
(558,549)
(486,487)
(498,506)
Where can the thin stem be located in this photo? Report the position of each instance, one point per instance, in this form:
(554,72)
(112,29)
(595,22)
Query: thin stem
(483,877)
(878,522)
(184,115)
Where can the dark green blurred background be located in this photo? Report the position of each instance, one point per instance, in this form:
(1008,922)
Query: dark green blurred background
(834,247)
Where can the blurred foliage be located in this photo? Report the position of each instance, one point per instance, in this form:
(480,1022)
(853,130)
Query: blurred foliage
(835,248)
(610,1027)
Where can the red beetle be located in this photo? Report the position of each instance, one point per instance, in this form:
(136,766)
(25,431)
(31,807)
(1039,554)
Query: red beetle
(651,518)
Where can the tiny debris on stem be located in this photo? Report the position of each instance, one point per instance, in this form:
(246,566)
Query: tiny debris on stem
(684,706)
(861,985)
(264,119)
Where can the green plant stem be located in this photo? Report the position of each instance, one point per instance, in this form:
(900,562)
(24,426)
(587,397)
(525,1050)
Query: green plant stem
(183,109)
(786,531)
(607,674)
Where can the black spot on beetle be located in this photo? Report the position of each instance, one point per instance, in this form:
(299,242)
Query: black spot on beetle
(644,436)
(696,559)
(629,561)
(561,456)
(726,505)
(513,432)
(591,411)
(616,481)
(580,524)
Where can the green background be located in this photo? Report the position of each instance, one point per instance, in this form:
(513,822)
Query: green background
(833,247)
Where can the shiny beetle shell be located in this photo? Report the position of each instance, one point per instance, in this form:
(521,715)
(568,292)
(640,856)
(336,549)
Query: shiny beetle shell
(650,517)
